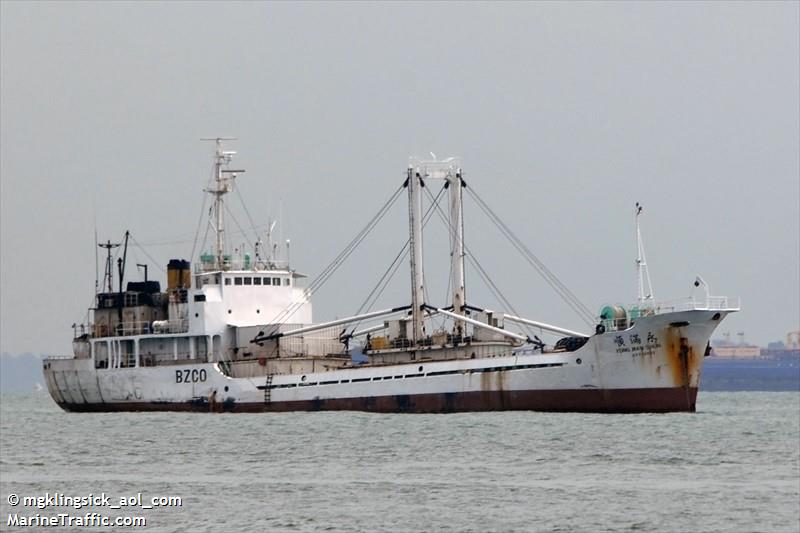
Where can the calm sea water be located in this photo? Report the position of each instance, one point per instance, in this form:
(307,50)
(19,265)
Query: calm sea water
(732,466)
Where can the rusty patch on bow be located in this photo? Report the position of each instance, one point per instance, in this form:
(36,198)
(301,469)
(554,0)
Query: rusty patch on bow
(681,357)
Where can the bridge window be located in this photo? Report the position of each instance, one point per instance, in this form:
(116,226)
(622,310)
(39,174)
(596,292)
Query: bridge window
(248,281)
(286,281)
(237,281)
(227,281)
(267,281)
(276,281)
(257,281)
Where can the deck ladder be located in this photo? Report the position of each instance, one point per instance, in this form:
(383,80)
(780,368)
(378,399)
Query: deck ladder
(268,389)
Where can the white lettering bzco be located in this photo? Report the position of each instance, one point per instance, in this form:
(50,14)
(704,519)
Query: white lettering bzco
(192,375)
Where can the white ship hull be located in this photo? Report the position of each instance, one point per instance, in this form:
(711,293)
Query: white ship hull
(236,333)
(653,366)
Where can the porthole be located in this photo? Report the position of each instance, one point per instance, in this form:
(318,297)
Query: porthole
(196,315)
(258,311)
(419,369)
(229,311)
(303,378)
(226,388)
(578,360)
(716,316)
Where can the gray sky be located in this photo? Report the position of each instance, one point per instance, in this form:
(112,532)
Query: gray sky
(564,114)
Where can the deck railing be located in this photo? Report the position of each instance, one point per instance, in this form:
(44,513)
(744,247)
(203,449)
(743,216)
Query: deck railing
(139,328)
(240,264)
(57,357)
(689,303)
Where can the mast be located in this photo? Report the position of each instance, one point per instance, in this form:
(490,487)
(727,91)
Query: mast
(121,262)
(223,184)
(415,185)
(457,249)
(641,264)
(219,206)
(108,277)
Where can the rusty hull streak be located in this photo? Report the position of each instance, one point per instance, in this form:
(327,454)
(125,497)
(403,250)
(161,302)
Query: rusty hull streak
(493,391)
(683,363)
(681,357)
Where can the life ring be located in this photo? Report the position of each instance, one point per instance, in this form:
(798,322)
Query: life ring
(600,329)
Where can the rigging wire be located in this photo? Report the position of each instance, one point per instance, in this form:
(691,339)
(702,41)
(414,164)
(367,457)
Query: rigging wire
(440,320)
(398,259)
(247,212)
(96,254)
(205,235)
(144,251)
(244,234)
(197,231)
(200,219)
(493,288)
(388,275)
(334,265)
(178,240)
(556,284)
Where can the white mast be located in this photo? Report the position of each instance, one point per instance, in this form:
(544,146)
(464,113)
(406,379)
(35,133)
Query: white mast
(415,185)
(448,170)
(223,182)
(641,264)
(457,249)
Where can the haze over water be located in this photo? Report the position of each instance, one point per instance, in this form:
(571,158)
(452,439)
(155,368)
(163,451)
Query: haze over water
(732,466)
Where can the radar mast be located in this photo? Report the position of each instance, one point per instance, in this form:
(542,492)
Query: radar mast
(223,184)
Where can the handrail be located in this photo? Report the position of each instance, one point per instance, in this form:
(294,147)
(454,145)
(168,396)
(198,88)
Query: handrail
(125,329)
(252,265)
(689,303)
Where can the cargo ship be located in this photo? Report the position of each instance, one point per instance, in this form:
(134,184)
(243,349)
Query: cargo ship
(233,332)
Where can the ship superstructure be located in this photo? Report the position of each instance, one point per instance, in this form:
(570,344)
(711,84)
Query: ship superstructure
(235,332)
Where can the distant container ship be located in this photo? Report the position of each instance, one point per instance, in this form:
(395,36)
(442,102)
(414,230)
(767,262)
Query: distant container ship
(725,348)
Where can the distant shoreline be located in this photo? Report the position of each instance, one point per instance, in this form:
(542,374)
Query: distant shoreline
(750,374)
